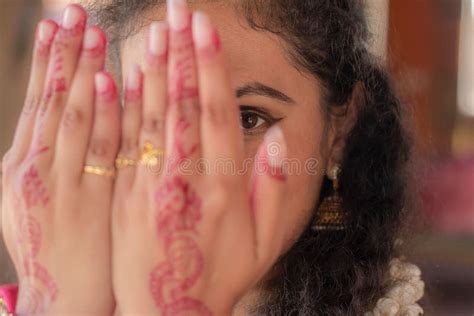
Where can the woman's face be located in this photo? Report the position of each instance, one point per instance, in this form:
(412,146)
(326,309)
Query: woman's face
(270,90)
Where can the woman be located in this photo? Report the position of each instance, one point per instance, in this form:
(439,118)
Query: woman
(174,206)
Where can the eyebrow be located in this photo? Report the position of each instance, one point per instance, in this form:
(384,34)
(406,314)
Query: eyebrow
(257,88)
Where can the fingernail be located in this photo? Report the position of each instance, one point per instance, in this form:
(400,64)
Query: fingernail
(105,86)
(46,31)
(206,38)
(73,16)
(94,42)
(158,41)
(133,88)
(178,14)
(276,147)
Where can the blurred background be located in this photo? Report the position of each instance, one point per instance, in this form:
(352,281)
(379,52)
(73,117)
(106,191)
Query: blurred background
(428,46)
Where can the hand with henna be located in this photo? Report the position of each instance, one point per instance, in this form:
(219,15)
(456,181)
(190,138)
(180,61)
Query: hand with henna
(188,239)
(55,216)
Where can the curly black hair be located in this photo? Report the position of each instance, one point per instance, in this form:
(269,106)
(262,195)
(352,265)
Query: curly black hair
(328,273)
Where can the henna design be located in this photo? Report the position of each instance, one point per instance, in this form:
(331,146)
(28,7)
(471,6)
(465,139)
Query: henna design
(181,149)
(183,82)
(107,92)
(31,104)
(38,295)
(34,191)
(179,208)
(42,47)
(30,300)
(171,279)
(57,82)
(178,214)
(179,90)
(133,95)
(46,280)
(37,147)
(29,234)
(38,289)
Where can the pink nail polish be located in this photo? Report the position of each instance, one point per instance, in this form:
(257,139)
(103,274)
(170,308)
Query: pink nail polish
(178,15)
(157,48)
(94,43)
(105,87)
(45,35)
(134,84)
(205,37)
(276,153)
(74,17)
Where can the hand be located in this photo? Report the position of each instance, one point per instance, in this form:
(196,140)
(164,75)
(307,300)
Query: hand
(56,218)
(188,242)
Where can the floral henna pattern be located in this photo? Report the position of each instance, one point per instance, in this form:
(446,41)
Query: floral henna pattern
(38,290)
(170,280)
(57,82)
(181,150)
(33,189)
(179,208)
(179,212)
(29,234)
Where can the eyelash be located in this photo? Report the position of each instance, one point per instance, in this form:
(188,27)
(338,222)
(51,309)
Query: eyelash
(262,114)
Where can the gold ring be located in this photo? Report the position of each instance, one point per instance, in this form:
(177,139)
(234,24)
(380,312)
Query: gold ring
(100,171)
(150,156)
(122,162)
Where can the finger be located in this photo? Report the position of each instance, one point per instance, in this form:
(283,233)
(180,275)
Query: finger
(61,68)
(76,122)
(220,131)
(154,100)
(267,195)
(182,120)
(45,33)
(131,121)
(104,141)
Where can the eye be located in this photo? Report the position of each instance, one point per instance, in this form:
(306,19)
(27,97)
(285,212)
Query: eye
(255,121)
(251,120)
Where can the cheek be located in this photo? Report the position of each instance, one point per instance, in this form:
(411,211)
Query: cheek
(299,206)
(306,172)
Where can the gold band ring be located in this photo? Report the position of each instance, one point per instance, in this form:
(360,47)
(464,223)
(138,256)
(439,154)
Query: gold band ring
(100,171)
(122,162)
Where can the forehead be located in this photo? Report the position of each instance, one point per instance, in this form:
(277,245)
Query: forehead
(251,55)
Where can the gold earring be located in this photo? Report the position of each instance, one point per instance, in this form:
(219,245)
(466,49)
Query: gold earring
(330,215)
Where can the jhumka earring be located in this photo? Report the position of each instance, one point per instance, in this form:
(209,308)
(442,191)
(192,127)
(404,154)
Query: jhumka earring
(330,216)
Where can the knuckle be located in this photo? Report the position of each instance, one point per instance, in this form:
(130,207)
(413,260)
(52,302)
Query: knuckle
(101,148)
(72,118)
(153,124)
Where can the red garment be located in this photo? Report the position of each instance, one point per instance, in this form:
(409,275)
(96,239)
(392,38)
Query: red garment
(9,294)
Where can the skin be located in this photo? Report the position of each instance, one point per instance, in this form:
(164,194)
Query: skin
(160,238)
